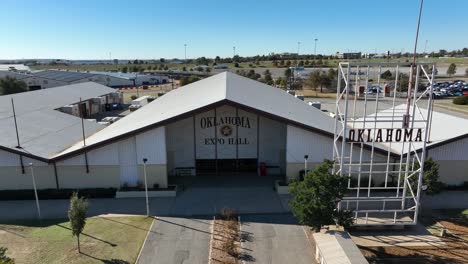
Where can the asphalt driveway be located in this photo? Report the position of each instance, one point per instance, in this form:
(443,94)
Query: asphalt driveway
(174,240)
(275,238)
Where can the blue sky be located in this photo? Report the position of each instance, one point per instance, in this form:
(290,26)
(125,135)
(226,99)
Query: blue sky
(149,29)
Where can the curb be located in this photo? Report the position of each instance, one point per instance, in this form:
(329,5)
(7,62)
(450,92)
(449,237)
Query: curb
(144,242)
(240,235)
(211,239)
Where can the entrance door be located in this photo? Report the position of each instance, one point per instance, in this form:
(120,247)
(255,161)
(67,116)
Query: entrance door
(225,166)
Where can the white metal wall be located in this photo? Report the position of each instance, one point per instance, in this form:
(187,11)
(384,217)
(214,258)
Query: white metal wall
(152,146)
(456,150)
(180,144)
(272,140)
(128,161)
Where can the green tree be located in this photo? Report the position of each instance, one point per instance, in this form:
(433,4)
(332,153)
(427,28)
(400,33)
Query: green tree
(466,72)
(9,85)
(387,75)
(3,257)
(125,69)
(314,200)
(267,77)
(452,69)
(430,177)
(288,74)
(162,60)
(319,79)
(77,216)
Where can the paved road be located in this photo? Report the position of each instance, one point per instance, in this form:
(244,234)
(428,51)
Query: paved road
(275,238)
(177,241)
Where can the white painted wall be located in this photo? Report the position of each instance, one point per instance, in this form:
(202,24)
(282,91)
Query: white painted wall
(456,150)
(128,161)
(152,146)
(180,144)
(8,159)
(272,140)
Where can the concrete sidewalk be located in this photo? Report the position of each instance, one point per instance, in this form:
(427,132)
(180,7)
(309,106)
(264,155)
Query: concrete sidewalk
(177,240)
(275,238)
(192,202)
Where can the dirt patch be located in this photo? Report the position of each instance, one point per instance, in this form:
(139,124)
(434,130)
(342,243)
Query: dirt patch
(225,243)
(455,249)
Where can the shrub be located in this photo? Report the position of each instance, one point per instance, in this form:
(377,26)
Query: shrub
(227,214)
(3,258)
(230,247)
(460,100)
(133,97)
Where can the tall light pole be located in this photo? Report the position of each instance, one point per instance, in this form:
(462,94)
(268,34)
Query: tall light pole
(35,191)
(233,51)
(315,47)
(425,46)
(306,157)
(298,49)
(146,186)
(185,52)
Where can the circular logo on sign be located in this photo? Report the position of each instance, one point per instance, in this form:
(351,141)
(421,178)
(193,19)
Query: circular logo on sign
(225,130)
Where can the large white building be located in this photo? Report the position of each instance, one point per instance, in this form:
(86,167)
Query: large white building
(224,125)
(52,78)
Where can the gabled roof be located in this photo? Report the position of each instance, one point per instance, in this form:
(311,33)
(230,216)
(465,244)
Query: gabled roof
(44,131)
(223,88)
(444,127)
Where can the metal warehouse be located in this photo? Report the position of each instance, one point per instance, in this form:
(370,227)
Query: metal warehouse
(53,78)
(222,126)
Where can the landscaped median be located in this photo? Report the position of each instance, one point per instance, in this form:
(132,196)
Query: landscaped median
(104,240)
(225,245)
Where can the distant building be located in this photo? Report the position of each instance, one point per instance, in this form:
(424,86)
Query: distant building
(53,78)
(348,55)
(14,68)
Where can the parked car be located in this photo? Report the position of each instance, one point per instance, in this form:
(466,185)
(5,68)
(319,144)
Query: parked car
(373,90)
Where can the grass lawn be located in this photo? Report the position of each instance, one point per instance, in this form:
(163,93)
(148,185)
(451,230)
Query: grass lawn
(448,104)
(104,240)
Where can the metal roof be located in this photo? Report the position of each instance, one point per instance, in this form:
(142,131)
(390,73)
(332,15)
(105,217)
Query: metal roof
(128,76)
(444,127)
(223,87)
(43,131)
(63,76)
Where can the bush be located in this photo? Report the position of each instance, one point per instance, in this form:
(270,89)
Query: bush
(133,97)
(54,194)
(460,100)
(3,258)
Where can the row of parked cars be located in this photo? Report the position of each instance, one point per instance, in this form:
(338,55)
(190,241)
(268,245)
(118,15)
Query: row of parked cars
(454,88)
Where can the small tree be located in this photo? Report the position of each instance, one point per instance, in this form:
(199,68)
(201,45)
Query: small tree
(315,198)
(466,72)
(77,216)
(430,177)
(452,69)
(386,75)
(125,69)
(3,257)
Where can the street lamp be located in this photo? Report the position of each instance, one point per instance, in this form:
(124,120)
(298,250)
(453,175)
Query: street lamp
(305,164)
(35,191)
(315,47)
(146,186)
(185,52)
